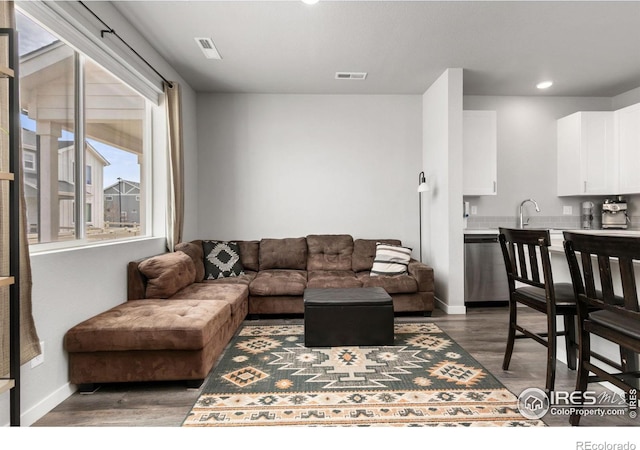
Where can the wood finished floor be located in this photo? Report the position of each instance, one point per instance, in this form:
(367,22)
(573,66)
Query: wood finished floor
(482,332)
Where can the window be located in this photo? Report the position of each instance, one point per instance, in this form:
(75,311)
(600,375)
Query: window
(105,150)
(29,161)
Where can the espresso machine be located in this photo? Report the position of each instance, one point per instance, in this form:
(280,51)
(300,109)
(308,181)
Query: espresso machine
(614,213)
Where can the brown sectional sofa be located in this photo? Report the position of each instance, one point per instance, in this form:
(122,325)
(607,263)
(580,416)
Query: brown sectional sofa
(278,270)
(177,323)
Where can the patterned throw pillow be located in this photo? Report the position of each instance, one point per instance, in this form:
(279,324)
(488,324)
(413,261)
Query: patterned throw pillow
(390,260)
(221,260)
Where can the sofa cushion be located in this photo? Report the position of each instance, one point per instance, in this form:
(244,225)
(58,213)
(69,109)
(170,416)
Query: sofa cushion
(364,252)
(397,284)
(250,255)
(288,253)
(194,250)
(279,282)
(221,259)
(329,252)
(150,325)
(167,274)
(233,294)
(245,279)
(391,260)
(333,279)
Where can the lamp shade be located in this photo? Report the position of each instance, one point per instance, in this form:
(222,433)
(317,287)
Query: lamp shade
(422,183)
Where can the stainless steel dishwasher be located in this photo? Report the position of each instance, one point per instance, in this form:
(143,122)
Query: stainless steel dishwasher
(485,277)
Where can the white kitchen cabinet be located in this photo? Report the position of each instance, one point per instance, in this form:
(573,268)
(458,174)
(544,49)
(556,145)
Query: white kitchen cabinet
(480,153)
(628,146)
(587,157)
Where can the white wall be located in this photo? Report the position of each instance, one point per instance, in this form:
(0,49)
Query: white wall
(72,285)
(292,165)
(442,163)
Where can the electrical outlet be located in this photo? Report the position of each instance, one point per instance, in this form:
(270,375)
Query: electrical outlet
(474,210)
(567,210)
(35,362)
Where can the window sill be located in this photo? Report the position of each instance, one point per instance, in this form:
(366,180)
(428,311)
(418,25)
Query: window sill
(59,247)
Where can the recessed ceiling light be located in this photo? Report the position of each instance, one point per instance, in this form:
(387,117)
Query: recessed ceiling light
(310,2)
(544,84)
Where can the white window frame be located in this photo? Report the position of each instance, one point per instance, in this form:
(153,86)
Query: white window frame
(78,28)
(48,14)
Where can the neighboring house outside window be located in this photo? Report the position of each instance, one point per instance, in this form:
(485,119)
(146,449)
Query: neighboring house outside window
(122,204)
(115,121)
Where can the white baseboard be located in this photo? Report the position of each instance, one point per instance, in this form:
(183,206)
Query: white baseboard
(30,416)
(448,309)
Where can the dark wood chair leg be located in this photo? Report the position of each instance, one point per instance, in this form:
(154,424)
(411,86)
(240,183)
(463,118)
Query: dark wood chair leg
(582,379)
(511,338)
(552,341)
(570,340)
(629,364)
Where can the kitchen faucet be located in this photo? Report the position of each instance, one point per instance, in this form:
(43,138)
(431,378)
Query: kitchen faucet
(521,223)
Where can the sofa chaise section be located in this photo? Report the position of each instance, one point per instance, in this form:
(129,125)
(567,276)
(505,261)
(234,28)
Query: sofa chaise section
(149,340)
(178,335)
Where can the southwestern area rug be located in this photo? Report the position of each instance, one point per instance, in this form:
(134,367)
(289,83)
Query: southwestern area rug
(267,377)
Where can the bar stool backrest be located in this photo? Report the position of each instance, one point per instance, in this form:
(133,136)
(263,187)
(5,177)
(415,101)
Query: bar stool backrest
(604,271)
(526,257)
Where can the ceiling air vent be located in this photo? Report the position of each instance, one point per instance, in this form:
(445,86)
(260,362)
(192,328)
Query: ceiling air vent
(207,47)
(351,75)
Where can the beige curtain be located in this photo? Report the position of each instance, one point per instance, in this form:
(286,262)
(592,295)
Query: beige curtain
(30,344)
(175,207)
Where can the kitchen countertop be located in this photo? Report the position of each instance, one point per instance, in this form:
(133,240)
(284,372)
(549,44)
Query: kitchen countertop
(557,237)
(480,231)
(495,231)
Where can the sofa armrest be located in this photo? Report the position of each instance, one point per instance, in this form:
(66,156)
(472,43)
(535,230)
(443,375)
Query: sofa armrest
(136,282)
(423,275)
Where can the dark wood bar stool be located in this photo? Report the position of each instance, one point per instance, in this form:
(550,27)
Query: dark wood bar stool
(602,312)
(526,258)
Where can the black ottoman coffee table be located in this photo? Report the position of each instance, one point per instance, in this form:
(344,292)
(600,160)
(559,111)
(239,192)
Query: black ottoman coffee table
(347,316)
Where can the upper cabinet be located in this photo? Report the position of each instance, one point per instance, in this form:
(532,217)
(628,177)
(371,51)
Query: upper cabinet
(587,162)
(480,154)
(628,146)
(599,152)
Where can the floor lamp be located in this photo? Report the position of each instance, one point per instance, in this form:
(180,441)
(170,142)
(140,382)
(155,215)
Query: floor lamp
(422,187)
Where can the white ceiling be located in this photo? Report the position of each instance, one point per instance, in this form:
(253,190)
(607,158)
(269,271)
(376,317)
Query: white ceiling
(589,48)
